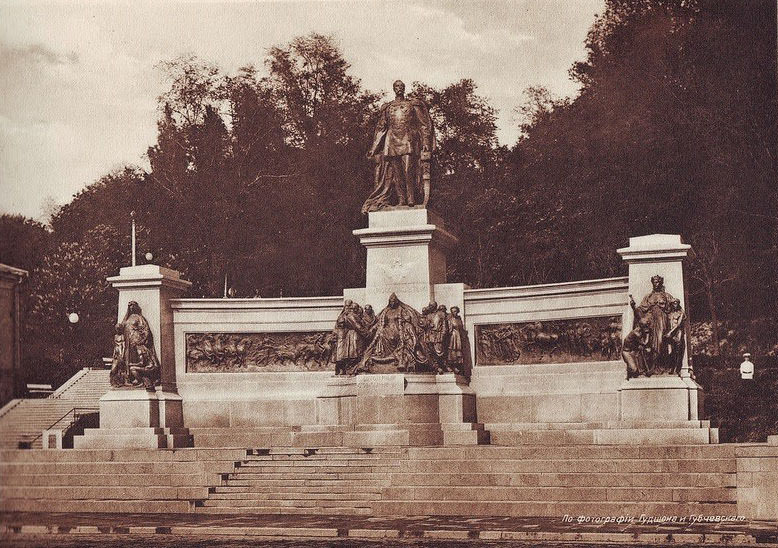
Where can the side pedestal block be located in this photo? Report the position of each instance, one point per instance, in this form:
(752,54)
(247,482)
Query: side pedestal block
(394,409)
(661,410)
(134,418)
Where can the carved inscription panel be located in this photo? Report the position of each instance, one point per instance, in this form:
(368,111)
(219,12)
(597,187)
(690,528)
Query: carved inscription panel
(258,352)
(555,341)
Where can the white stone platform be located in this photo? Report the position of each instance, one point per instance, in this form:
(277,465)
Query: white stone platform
(137,418)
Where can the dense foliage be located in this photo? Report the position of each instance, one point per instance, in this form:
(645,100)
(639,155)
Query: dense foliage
(259,176)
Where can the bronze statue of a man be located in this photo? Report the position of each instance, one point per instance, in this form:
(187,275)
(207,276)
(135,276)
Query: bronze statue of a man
(402,144)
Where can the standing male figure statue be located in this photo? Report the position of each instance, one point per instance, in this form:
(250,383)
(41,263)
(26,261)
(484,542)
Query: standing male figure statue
(402,144)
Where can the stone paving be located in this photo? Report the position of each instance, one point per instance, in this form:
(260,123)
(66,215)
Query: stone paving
(476,531)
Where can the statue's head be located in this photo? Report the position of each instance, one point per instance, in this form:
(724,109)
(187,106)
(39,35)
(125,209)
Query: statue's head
(133,307)
(398,87)
(347,304)
(675,304)
(658,282)
(455,310)
(394,302)
(442,308)
(368,309)
(118,328)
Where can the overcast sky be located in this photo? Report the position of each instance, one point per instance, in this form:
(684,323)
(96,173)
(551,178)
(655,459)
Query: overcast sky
(78,83)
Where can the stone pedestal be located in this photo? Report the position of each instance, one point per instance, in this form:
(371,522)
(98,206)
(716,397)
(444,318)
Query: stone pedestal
(137,418)
(152,287)
(647,256)
(660,399)
(406,254)
(395,409)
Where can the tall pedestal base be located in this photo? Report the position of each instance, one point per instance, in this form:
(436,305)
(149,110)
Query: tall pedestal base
(395,409)
(664,409)
(136,418)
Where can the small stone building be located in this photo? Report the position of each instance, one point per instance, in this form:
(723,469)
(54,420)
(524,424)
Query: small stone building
(10,327)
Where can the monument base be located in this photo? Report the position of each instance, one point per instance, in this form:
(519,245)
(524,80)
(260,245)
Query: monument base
(660,398)
(394,409)
(136,418)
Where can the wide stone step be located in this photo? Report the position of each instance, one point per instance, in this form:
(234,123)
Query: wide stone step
(143,492)
(300,503)
(540,494)
(330,476)
(607,436)
(136,468)
(578,451)
(646,479)
(321,468)
(521,426)
(550,509)
(108,480)
(314,481)
(296,489)
(102,506)
(573,465)
(260,510)
(337,457)
(308,496)
(121,455)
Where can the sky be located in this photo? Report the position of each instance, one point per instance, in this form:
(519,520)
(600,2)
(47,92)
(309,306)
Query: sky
(79,81)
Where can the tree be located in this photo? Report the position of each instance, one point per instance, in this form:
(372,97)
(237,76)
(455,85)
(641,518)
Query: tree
(673,131)
(23,241)
(72,279)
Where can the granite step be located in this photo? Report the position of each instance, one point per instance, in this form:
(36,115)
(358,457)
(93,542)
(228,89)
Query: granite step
(550,479)
(98,492)
(578,451)
(607,436)
(329,477)
(102,506)
(262,510)
(550,509)
(320,468)
(345,487)
(313,505)
(548,494)
(311,497)
(131,468)
(108,480)
(572,465)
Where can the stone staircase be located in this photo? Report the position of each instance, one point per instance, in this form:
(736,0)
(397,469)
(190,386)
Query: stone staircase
(86,386)
(328,480)
(545,480)
(129,480)
(526,480)
(24,420)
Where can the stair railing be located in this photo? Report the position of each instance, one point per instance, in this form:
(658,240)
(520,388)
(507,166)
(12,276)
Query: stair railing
(69,422)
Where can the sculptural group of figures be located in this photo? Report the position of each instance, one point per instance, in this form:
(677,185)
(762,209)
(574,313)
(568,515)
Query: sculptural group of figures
(135,362)
(657,342)
(399,339)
